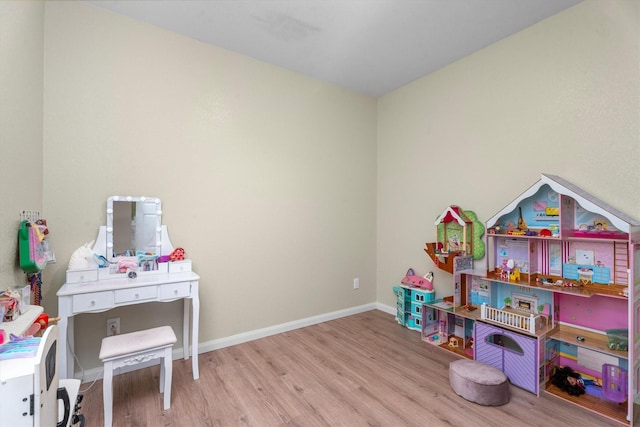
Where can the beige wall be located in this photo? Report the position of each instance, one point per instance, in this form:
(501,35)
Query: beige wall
(267,178)
(21,73)
(559,97)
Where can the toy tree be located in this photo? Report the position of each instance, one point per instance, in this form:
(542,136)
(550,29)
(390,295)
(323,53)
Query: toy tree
(460,231)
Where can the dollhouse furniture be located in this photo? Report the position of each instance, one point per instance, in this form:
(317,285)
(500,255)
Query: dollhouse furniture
(98,290)
(614,383)
(579,277)
(478,382)
(131,349)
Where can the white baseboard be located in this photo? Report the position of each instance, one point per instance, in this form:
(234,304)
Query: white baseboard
(278,329)
(96,373)
(386,308)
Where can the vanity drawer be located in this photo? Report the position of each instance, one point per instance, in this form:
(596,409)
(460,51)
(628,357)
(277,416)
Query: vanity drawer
(180,266)
(175,290)
(84,275)
(92,302)
(136,294)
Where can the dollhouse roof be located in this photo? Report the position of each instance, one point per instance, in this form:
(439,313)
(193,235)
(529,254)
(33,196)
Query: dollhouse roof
(452,213)
(620,220)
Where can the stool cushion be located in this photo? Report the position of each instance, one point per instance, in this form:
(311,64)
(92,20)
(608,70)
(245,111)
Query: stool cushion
(478,382)
(123,344)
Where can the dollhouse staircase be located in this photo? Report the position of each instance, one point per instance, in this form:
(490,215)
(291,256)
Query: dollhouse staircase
(621,261)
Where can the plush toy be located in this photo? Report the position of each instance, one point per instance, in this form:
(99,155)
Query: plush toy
(568,380)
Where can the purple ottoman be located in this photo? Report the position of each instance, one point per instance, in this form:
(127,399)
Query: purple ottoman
(478,382)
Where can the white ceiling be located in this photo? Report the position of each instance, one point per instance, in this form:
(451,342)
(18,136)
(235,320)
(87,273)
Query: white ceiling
(368,46)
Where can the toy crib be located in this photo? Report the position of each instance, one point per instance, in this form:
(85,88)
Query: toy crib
(514,319)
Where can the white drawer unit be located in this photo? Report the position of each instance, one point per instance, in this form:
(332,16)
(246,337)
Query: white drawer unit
(79,276)
(135,294)
(92,302)
(175,290)
(180,266)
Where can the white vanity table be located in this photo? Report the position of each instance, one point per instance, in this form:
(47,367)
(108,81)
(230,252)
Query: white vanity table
(96,290)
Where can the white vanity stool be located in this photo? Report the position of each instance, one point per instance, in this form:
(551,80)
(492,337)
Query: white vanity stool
(134,348)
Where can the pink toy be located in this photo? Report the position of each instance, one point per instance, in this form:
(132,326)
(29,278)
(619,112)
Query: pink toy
(177,255)
(127,263)
(421,282)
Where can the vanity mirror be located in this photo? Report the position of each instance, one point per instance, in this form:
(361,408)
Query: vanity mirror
(133,224)
(133,241)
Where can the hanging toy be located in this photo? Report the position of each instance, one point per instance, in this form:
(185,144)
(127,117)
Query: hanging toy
(32,254)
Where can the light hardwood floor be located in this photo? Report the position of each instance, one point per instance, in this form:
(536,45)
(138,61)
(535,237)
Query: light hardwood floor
(361,370)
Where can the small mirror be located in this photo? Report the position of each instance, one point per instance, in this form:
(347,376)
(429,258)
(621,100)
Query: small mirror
(133,225)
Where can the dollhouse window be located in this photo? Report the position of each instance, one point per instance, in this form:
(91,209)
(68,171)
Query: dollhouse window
(505,342)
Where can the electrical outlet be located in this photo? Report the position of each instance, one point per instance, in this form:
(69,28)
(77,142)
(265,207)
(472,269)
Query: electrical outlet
(113,326)
(356,283)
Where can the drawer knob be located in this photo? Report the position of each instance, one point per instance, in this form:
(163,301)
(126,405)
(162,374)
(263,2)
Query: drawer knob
(175,292)
(137,295)
(93,303)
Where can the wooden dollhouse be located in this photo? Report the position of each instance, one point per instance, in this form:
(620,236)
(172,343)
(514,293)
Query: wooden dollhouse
(561,290)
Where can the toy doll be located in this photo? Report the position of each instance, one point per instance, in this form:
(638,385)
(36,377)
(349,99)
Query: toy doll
(569,380)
